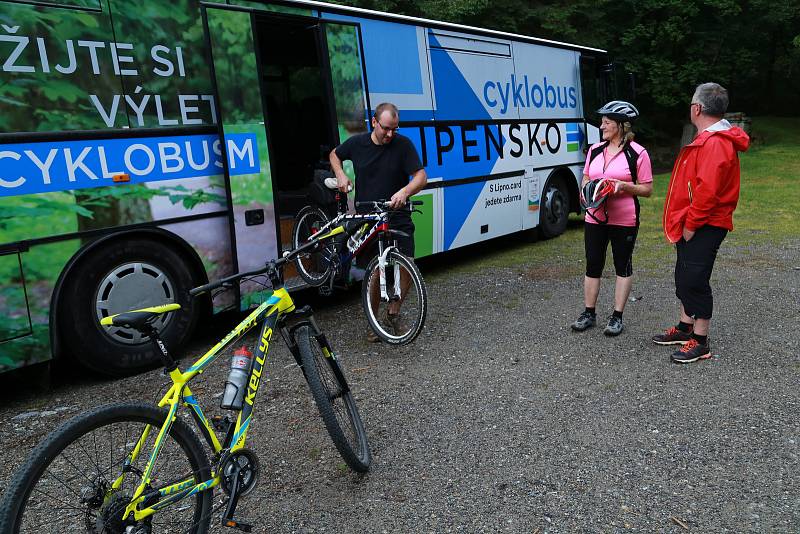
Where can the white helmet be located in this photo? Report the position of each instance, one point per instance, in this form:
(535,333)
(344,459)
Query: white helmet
(619,110)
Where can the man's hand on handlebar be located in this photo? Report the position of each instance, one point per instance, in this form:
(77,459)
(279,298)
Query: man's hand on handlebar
(399,199)
(343,182)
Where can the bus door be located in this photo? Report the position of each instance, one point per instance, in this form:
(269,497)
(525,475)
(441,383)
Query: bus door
(313,87)
(344,73)
(243,136)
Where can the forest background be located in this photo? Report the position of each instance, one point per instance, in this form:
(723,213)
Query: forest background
(751,47)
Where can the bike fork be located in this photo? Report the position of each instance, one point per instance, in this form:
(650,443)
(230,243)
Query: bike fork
(385,297)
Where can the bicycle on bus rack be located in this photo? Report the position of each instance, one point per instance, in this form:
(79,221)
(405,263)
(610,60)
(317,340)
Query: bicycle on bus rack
(135,468)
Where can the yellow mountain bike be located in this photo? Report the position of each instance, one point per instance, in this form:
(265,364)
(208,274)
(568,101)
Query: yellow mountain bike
(135,468)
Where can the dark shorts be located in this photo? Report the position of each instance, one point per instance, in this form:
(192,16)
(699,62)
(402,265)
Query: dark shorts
(404,244)
(693,270)
(595,241)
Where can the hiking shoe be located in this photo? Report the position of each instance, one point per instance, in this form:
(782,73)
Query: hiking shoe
(691,352)
(371,336)
(397,324)
(614,326)
(672,336)
(584,321)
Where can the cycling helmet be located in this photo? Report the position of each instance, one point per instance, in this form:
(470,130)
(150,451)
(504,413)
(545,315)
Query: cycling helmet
(595,192)
(619,110)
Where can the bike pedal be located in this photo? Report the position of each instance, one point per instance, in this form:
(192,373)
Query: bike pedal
(239,525)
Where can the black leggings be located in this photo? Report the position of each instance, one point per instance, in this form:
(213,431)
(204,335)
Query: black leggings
(693,270)
(595,241)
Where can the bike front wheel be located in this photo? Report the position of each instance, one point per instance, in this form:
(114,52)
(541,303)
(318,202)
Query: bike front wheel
(314,265)
(79,478)
(395,311)
(334,400)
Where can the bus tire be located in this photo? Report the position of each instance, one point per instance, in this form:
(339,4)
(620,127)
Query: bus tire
(115,277)
(555,208)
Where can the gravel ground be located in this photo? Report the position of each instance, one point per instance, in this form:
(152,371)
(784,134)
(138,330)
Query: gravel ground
(500,419)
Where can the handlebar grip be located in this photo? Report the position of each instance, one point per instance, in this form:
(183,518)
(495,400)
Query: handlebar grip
(199,290)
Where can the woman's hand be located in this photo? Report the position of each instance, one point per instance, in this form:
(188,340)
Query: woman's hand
(620,187)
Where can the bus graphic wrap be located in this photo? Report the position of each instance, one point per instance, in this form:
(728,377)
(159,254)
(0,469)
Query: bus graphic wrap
(61,166)
(249,102)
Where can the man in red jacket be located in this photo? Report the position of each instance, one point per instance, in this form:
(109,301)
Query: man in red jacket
(698,213)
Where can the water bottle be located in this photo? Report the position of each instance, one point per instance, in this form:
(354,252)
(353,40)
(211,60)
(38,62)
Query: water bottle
(237,379)
(353,241)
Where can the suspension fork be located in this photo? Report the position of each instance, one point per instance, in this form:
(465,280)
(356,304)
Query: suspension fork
(382,255)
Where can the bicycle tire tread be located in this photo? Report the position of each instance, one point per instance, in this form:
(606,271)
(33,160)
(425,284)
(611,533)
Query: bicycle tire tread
(25,478)
(318,392)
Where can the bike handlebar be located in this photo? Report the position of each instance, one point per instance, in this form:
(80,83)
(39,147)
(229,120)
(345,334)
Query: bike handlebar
(270,267)
(384,205)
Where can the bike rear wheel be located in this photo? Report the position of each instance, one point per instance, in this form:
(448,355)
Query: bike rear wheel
(393,324)
(334,400)
(313,266)
(66,484)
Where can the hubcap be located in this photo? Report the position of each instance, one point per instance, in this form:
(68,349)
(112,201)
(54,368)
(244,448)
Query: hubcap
(133,286)
(554,201)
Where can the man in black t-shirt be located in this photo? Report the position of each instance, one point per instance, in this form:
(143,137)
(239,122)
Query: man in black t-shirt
(383,161)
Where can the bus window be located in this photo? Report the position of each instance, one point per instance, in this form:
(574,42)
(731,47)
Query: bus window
(93,5)
(347,79)
(65,58)
(592,86)
(12,286)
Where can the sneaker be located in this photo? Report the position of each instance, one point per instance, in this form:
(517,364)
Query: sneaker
(371,336)
(584,321)
(614,326)
(397,324)
(672,336)
(691,352)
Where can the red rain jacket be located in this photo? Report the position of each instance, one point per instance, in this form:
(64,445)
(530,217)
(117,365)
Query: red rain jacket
(704,188)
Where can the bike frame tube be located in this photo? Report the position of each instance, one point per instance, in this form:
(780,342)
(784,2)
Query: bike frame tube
(269,313)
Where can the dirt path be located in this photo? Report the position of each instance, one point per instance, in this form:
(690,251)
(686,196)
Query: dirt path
(499,418)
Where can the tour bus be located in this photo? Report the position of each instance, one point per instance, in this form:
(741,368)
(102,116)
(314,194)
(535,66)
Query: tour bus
(149,147)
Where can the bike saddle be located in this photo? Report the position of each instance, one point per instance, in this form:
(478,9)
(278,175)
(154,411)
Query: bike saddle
(138,319)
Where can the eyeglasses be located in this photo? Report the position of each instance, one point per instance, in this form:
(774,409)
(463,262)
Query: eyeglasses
(387,130)
(697,104)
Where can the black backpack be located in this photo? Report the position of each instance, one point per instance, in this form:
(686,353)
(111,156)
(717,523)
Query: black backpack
(632,157)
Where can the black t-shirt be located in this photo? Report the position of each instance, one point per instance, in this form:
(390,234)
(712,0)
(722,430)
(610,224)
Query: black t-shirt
(381,170)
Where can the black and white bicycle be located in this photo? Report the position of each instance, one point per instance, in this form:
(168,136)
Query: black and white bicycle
(393,291)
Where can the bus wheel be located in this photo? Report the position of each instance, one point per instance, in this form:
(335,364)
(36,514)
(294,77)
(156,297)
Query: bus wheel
(127,275)
(555,209)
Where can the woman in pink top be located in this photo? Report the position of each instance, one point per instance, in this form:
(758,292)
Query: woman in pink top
(617,219)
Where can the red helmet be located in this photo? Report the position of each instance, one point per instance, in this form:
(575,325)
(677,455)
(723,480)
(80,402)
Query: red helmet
(595,192)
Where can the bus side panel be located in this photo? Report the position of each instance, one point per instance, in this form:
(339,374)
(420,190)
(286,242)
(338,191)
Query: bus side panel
(525,101)
(404,81)
(470,78)
(41,266)
(552,90)
(53,60)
